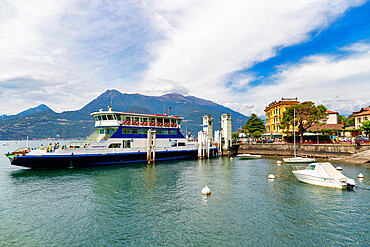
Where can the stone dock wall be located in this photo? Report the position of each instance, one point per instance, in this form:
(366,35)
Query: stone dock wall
(310,150)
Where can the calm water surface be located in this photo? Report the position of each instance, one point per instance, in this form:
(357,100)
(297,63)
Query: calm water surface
(162,205)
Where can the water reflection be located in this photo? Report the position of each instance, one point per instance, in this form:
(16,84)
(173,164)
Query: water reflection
(162,204)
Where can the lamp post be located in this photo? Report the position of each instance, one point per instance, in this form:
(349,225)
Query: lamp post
(317,130)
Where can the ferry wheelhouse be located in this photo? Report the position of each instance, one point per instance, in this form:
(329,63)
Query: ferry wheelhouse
(119,138)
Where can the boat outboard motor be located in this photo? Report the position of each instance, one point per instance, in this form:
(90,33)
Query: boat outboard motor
(350,184)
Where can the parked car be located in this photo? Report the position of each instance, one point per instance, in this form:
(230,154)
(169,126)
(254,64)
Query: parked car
(362,139)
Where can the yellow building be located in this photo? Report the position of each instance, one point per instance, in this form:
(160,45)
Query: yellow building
(274,114)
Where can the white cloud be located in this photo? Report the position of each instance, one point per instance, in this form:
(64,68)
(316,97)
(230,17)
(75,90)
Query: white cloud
(161,86)
(206,42)
(340,83)
(71,51)
(64,53)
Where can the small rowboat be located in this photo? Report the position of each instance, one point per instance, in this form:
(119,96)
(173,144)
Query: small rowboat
(248,156)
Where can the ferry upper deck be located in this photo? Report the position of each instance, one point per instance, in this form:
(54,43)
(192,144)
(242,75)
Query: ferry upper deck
(114,119)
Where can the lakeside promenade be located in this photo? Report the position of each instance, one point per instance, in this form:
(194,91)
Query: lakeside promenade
(345,152)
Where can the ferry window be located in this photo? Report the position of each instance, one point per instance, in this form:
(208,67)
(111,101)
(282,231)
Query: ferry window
(152,120)
(174,143)
(181,144)
(126,144)
(96,118)
(104,117)
(166,132)
(135,131)
(145,120)
(136,119)
(178,121)
(144,131)
(173,132)
(110,117)
(110,131)
(114,145)
(160,132)
(100,118)
(128,119)
(166,120)
(126,131)
(102,131)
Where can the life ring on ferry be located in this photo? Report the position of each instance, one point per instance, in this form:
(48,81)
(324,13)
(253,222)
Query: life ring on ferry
(175,125)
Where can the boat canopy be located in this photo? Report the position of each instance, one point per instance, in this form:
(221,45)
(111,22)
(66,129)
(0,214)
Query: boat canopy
(113,119)
(327,170)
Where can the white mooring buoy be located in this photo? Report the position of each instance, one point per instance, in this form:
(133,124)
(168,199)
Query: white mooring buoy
(339,168)
(278,162)
(271,176)
(206,190)
(231,158)
(360,175)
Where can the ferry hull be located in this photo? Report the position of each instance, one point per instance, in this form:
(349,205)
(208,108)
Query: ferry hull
(66,161)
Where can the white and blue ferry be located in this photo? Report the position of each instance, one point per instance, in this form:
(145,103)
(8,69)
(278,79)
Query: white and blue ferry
(119,138)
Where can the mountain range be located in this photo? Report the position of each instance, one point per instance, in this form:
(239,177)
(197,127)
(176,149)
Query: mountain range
(41,122)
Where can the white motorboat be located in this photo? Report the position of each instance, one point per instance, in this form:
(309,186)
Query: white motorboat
(248,156)
(299,160)
(323,174)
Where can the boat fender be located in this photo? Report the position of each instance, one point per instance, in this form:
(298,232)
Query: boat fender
(206,190)
(360,175)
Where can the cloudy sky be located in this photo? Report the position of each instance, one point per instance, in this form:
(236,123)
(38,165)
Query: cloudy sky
(243,54)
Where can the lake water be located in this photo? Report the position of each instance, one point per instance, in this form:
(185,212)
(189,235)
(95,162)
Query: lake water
(162,205)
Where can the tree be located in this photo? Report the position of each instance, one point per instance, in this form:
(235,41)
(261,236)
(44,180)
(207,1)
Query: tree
(257,134)
(366,127)
(342,119)
(350,120)
(306,115)
(254,124)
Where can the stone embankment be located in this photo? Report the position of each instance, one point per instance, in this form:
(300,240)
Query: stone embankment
(346,152)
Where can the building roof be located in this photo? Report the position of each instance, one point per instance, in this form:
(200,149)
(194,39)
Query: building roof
(363,113)
(283,101)
(331,112)
(362,109)
(326,126)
